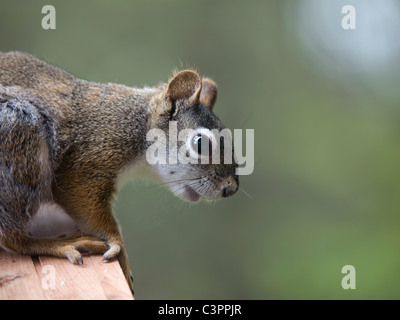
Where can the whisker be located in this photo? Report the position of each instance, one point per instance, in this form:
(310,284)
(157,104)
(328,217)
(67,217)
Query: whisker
(192,184)
(169,182)
(203,188)
(245,192)
(248,117)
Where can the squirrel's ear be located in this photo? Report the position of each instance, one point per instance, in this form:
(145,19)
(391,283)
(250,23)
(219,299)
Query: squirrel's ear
(184,85)
(208,94)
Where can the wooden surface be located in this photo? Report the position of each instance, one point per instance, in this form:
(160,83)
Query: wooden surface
(48,278)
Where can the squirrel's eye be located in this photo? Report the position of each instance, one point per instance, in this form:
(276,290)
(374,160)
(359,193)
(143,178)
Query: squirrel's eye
(197,143)
(202,144)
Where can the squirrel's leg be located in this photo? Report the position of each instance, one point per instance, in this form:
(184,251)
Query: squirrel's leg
(111,234)
(109,231)
(117,250)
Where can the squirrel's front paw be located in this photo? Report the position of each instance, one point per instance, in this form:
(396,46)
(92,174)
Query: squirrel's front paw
(112,252)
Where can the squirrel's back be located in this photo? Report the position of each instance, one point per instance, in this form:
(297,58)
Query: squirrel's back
(24,70)
(25,76)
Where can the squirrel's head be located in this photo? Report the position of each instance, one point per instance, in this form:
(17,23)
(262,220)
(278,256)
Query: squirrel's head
(185,146)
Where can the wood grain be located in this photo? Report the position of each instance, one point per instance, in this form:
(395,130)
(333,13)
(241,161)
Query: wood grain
(18,278)
(26,277)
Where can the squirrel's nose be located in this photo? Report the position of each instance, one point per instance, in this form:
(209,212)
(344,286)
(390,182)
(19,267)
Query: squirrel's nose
(231,185)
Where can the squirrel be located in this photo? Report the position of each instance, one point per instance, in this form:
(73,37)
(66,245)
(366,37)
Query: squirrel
(68,141)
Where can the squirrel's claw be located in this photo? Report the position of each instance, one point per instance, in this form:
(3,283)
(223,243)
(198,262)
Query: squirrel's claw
(73,255)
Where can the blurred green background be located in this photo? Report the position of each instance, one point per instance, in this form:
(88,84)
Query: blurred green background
(324,103)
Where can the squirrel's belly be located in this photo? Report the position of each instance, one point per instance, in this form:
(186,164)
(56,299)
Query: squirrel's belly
(52,221)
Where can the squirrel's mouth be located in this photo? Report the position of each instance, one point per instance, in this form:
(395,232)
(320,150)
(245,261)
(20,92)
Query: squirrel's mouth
(191,194)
